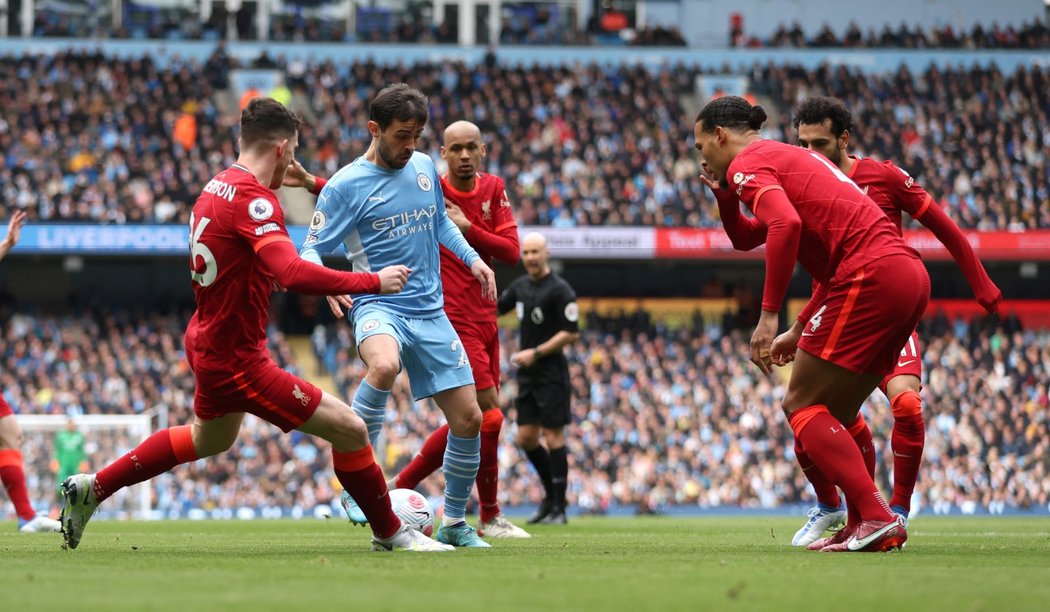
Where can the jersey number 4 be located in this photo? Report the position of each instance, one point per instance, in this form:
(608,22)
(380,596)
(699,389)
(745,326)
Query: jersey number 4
(834,170)
(201,250)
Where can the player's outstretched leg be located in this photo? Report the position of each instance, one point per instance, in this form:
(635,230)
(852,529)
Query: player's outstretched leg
(160,452)
(79,504)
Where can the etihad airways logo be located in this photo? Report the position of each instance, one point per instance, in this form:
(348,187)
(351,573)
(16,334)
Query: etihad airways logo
(408,222)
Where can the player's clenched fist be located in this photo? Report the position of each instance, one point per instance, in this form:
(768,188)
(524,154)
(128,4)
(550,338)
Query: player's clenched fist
(392,279)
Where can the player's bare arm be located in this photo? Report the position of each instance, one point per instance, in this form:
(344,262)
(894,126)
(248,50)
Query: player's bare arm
(14,232)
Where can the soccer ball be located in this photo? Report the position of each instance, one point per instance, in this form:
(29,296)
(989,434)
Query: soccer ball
(413,509)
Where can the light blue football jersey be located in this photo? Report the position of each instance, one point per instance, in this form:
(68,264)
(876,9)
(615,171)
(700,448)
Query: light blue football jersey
(388,217)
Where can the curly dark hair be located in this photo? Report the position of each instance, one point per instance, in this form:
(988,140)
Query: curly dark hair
(818,109)
(731,112)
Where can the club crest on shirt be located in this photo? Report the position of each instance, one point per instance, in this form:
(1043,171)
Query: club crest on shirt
(260,209)
(318,221)
(298,394)
(486,210)
(424,182)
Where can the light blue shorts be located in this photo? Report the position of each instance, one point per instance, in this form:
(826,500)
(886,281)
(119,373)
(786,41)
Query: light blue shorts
(431,351)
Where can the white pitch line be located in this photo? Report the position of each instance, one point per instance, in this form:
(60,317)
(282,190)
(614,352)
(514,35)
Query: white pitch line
(982,534)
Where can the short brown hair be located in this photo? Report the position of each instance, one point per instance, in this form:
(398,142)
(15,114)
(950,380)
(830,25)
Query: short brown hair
(266,120)
(398,102)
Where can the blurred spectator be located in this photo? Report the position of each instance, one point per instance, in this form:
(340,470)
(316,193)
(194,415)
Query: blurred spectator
(580,144)
(663,416)
(1030,35)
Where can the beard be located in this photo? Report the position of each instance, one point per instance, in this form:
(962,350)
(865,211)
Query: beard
(390,159)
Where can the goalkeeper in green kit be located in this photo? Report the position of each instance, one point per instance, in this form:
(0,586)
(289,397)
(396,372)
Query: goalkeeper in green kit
(69,454)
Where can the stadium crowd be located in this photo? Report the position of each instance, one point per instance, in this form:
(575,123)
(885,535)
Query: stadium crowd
(664,417)
(539,27)
(1028,35)
(373,25)
(90,138)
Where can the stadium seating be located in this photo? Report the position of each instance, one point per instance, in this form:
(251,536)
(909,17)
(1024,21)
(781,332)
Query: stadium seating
(1029,35)
(680,416)
(589,145)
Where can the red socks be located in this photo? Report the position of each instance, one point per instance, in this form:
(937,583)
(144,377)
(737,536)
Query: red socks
(834,451)
(827,492)
(363,479)
(861,434)
(14,478)
(159,453)
(908,440)
(488,470)
(429,459)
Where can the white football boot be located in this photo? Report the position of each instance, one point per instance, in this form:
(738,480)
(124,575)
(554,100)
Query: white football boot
(78,491)
(820,520)
(500,527)
(409,539)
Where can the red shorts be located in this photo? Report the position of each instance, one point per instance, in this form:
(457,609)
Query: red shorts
(908,362)
(5,409)
(266,391)
(865,320)
(481,341)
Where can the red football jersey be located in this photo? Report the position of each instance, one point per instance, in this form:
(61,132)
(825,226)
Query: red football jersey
(891,188)
(493,233)
(841,228)
(233,218)
(894,190)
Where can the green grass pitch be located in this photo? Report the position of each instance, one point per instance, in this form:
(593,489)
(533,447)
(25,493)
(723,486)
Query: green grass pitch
(593,565)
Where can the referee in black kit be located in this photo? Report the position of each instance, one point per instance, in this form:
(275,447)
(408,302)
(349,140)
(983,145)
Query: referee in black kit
(546,307)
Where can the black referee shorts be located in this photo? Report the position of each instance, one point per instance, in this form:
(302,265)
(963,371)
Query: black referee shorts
(546,405)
